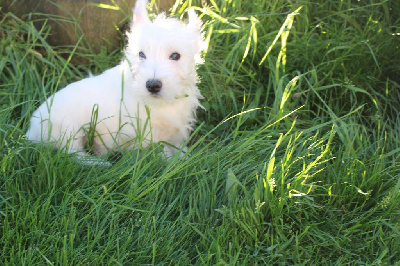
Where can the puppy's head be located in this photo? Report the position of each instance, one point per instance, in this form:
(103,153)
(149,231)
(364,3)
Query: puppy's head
(163,55)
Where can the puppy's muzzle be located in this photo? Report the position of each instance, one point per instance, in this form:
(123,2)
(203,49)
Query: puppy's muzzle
(154,85)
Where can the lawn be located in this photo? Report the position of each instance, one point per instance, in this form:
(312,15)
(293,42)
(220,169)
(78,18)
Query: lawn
(295,158)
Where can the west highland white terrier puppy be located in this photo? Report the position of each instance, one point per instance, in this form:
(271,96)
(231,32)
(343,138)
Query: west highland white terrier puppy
(152,94)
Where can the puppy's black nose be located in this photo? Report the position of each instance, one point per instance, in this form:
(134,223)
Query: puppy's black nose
(153,85)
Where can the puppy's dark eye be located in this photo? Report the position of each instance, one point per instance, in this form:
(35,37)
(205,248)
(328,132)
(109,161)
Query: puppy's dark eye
(142,55)
(175,56)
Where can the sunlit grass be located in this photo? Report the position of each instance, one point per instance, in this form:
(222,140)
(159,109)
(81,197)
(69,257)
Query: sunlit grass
(294,161)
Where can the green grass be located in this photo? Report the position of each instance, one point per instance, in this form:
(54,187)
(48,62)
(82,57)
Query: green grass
(296,159)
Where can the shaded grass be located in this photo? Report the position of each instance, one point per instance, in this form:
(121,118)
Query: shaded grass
(295,161)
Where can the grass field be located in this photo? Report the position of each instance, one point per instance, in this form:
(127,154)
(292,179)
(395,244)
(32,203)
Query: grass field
(295,159)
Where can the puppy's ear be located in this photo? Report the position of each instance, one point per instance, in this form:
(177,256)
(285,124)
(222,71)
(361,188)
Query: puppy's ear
(140,13)
(194,21)
(194,25)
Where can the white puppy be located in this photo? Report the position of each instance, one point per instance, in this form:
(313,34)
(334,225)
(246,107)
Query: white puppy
(151,95)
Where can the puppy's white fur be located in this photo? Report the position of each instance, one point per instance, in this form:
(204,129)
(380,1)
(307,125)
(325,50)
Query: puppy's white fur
(126,108)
